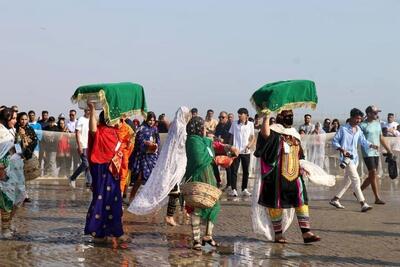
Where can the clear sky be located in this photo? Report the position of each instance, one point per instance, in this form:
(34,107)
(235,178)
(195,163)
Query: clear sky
(207,54)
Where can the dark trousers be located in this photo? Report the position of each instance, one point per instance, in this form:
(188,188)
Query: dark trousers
(216,173)
(245,159)
(229,176)
(173,196)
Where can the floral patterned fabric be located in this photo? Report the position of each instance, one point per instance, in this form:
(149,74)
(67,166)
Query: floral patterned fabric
(143,160)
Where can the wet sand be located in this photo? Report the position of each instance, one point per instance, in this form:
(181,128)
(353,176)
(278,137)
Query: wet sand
(50,233)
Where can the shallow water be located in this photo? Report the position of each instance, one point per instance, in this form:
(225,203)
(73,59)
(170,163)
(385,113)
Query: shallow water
(50,233)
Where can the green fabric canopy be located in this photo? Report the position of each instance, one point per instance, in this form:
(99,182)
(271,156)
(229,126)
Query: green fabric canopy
(116,99)
(284,95)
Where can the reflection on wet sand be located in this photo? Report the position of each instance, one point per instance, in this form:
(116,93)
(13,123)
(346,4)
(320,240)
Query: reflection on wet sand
(50,233)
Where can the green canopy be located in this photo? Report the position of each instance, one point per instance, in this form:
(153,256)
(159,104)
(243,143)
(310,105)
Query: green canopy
(116,99)
(283,95)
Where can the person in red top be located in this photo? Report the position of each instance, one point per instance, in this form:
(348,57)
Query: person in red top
(104,217)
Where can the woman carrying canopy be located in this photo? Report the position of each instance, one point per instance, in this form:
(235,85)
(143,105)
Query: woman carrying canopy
(104,217)
(282,185)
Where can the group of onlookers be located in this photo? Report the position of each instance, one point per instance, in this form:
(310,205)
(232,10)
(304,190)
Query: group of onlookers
(239,133)
(390,128)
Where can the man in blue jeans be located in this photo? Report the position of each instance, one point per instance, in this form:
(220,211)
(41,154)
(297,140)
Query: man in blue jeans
(82,136)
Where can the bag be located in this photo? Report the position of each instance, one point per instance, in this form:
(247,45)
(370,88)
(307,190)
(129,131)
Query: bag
(31,168)
(224,161)
(392,166)
(151,149)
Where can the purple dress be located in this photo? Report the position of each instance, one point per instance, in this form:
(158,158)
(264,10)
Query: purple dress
(104,217)
(142,162)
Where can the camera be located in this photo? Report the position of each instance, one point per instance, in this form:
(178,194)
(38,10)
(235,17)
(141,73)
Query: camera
(346,161)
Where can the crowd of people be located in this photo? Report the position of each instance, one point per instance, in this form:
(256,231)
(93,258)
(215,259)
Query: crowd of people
(114,157)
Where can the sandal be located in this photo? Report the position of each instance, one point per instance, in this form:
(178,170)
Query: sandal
(211,242)
(311,239)
(196,245)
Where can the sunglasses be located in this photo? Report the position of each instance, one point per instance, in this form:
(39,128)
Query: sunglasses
(222,117)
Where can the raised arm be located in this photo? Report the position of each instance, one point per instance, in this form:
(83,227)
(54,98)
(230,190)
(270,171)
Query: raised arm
(92,118)
(265,130)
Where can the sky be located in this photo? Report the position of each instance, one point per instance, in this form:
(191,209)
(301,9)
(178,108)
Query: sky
(204,54)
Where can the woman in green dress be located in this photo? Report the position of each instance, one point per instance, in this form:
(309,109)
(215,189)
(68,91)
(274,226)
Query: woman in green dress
(200,156)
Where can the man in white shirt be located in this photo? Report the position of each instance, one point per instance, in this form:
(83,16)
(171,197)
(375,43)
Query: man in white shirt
(243,138)
(391,126)
(82,136)
(71,124)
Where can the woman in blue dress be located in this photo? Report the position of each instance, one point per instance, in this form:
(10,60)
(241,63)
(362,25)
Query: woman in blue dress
(104,217)
(145,154)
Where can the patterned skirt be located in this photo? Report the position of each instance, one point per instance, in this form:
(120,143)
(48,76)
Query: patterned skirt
(104,217)
(143,164)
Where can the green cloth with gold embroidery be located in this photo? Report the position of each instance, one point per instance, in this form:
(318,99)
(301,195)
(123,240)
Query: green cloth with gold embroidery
(283,95)
(117,99)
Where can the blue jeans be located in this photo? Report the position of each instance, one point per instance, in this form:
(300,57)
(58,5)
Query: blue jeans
(84,167)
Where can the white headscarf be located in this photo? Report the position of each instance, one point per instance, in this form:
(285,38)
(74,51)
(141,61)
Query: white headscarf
(6,140)
(169,170)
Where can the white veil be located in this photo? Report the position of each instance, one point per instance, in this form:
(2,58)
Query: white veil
(169,170)
(6,140)
(260,218)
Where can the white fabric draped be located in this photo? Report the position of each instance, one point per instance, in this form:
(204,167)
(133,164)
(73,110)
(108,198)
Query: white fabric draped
(169,170)
(14,186)
(6,140)
(259,216)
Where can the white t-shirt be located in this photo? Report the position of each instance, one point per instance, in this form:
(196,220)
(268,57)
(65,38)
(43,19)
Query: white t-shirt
(71,125)
(82,125)
(393,125)
(241,135)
